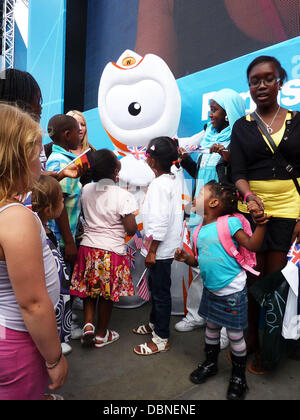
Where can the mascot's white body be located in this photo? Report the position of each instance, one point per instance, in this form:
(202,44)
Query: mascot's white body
(139,100)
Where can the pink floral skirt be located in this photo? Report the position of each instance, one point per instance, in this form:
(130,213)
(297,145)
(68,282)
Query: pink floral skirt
(101,273)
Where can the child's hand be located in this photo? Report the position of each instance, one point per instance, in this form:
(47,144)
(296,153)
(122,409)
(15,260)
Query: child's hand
(253,207)
(180,255)
(258,215)
(261,219)
(182,153)
(70,251)
(296,233)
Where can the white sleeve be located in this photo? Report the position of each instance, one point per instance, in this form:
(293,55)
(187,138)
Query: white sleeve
(128,205)
(158,210)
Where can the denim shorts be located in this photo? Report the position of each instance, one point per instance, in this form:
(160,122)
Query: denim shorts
(230,311)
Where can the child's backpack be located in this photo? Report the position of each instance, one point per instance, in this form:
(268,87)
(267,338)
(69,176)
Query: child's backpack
(245,258)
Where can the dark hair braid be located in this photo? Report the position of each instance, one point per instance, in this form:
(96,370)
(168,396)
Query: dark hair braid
(227,194)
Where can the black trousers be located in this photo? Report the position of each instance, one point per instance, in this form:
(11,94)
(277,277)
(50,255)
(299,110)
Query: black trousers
(160,287)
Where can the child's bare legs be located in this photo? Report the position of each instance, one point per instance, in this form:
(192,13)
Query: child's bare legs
(104,315)
(89,307)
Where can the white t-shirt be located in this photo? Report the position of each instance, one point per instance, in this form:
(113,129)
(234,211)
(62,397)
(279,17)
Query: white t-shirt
(163,215)
(103,209)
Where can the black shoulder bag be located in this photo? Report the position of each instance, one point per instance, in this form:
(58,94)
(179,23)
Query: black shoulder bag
(281,159)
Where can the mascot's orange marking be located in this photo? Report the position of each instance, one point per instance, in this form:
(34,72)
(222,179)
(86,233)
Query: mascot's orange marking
(128,61)
(128,68)
(185,197)
(118,144)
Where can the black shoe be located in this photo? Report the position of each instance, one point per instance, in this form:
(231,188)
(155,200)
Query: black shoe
(204,371)
(237,388)
(237,385)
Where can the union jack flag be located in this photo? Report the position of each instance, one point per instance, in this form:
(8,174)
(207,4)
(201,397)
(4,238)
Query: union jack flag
(294,254)
(131,256)
(138,152)
(26,200)
(138,239)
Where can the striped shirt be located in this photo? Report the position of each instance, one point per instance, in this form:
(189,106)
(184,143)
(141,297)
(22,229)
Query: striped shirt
(71,188)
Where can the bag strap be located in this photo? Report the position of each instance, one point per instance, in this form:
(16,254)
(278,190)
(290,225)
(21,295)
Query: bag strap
(289,168)
(225,236)
(195,236)
(228,244)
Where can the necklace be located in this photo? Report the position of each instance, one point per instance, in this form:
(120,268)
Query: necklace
(268,126)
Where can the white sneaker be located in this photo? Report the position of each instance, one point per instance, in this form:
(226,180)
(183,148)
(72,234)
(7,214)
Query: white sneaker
(224,340)
(66,348)
(76,332)
(186,325)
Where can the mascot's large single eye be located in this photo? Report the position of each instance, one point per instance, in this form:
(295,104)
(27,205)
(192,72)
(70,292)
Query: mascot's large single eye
(135,106)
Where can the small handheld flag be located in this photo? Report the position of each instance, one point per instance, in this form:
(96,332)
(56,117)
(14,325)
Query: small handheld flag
(85,157)
(131,256)
(138,152)
(138,239)
(186,239)
(147,241)
(142,288)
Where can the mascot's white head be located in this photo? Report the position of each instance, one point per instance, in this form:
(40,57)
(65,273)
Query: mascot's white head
(138,100)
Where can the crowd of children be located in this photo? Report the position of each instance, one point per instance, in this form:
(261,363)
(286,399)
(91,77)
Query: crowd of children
(99,271)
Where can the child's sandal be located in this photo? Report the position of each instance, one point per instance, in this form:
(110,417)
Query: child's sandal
(109,338)
(145,350)
(143,329)
(87,337)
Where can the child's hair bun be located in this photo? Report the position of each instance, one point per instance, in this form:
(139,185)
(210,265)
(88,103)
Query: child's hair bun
(164,150)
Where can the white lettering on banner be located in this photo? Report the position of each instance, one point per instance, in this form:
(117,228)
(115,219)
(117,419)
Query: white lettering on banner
(288,96)
(291,90)
(296,68)
(250,104)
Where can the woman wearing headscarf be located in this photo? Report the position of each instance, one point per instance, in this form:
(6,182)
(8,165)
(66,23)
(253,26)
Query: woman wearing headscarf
(226,107)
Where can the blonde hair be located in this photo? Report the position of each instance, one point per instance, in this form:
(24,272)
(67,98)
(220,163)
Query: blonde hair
(84,143)
(47,192)
(19,135)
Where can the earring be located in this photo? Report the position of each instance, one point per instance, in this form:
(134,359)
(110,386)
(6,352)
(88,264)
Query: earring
(226,118)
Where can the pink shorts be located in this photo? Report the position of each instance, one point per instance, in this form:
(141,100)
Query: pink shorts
(23,375)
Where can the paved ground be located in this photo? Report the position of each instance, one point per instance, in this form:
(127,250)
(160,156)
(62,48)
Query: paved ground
(115,372)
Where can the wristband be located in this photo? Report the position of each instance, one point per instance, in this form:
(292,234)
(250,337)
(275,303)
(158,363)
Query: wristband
(53,365)
(247,195)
